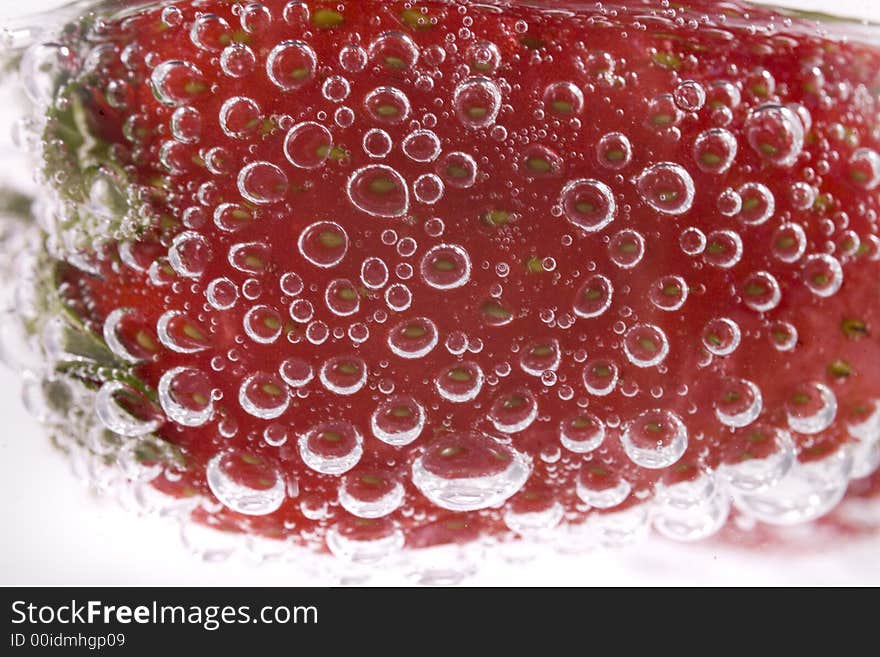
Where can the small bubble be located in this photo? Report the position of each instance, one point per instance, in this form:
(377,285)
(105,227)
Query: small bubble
(377,143)
(446,266)
(262,183)
(645,345)
(690,96)
(331,448)
(758,204)
(308,145)
(721,336)
(379,191)
(324,243)
(775,133)
(264,396)
(667,187)
(237,60)
(724,249)
(822,274)
(593,297)
(245,482)
(421,146)
(614,151)
(387,105)
(588,204)
(477,102)
(715,150)
(656,439)
(336,88)
(626,248)
(692,241)
(291,65)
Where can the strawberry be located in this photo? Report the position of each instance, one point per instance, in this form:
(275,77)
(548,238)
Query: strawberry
(369,276)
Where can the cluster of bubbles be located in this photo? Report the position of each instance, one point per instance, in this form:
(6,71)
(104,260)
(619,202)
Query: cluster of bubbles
(465,470)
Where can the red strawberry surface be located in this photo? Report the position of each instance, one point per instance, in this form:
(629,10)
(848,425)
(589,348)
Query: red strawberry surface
(399,273)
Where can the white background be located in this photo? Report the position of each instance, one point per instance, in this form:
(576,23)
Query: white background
(53,530)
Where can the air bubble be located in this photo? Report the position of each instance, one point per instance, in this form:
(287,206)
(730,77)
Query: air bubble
(421,146)
(178,332)
(656,439)
(262,183)
(690,96)
(593,297)
(601,487)
(563,99)
(446,267)
(582,433)
(387,105)
(398,421)
(758,204)
(614,151)
(823,274)
(460,383)
(264,396)
(724,249)
(739,403)
(864,168)
(540,357)
(331,448)
(458,170)
(222,293)
(398,297)
(761,292)
(692,241)
(811,408)
(342,297)
(186,124)
(715,150)
(600,377)
(291,65)
(775,133)
(126,411)
(177,82)
(308,145)
(468,471)
(185,396)
(721,336)
(370,494)
(343,375)
(588,204)
(377,143)
(669,293)
(374,273)
(667,187)
(626,248)
(379,191)
(477,102)
(413,338)
(245,482)
(324,243)
(394,51)
(336,88)
(126,334)
(209,32)
(263,324)
(514,412)
(365,542)
(428,189)
(645,345)
(789,242)
(189,254)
